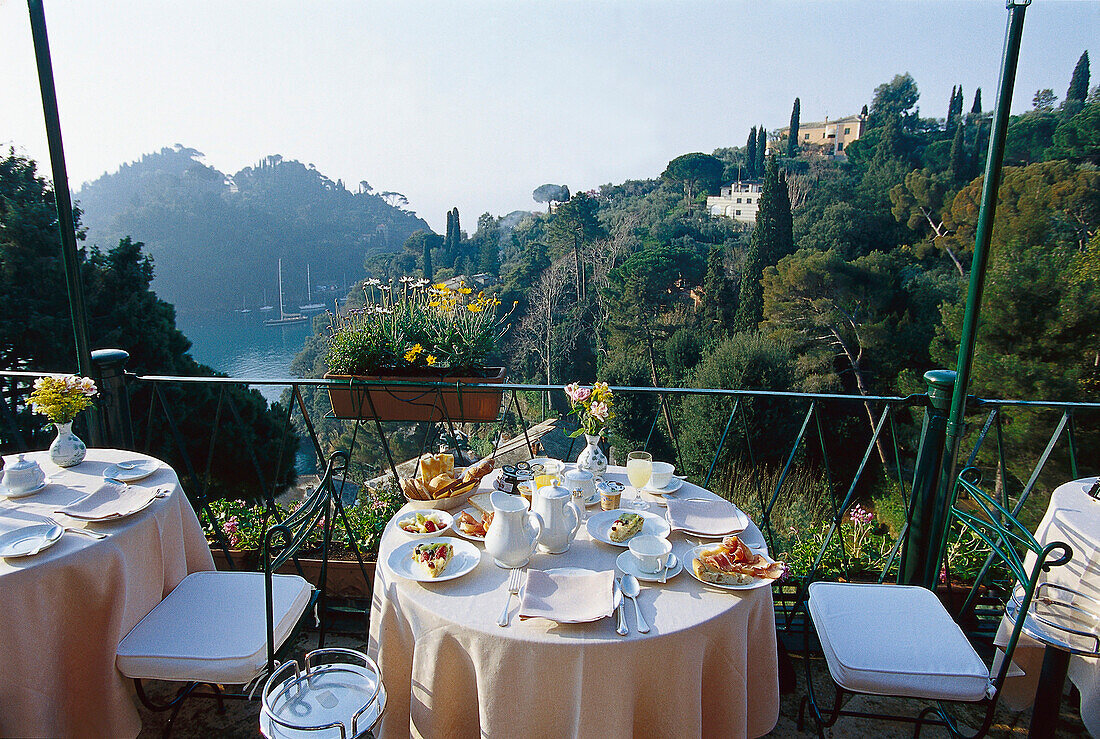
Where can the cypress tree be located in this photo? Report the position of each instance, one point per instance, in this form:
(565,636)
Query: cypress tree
(792,138)
(976,108)
(958,166)
(767,245)
(980,144)
(951,109)
(959,106)
(1078,86)
(750,155)
(761,150)
(1079,82)
(785,221)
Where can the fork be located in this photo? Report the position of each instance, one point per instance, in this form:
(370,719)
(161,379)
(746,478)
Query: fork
(514,579)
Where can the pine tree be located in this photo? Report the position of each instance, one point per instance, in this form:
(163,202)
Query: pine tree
(761,150)
(792,138)
(750,155)
(958,166)
(1078,86)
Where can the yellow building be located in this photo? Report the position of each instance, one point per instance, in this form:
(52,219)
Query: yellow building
(830,137)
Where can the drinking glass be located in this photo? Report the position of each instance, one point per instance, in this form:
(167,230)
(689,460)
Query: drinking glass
(639,468)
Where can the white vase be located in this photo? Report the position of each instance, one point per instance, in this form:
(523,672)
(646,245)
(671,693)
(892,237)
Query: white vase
(67,450)
(592,457)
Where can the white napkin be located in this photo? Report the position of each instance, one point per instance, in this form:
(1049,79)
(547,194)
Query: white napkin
(707,517)
(568,596)
(110,500)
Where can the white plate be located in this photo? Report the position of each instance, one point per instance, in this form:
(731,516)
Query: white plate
(23,493)
(673,485)
(600,524)
(142,469)
(444,518)
(28,540)
(757,582)
(628,564)
(456,530)
(465,558)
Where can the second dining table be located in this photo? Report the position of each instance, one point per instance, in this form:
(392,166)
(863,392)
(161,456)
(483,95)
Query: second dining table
(707,667)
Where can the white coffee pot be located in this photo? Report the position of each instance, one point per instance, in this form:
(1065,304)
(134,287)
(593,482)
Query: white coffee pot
(514,533)
(560,516)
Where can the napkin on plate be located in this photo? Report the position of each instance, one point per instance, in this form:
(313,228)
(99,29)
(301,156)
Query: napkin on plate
(109,500)
(568,596)
(707,517)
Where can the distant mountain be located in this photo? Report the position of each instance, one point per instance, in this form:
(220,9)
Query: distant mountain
(216,238)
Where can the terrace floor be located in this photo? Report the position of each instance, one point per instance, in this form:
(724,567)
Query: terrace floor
(199,718)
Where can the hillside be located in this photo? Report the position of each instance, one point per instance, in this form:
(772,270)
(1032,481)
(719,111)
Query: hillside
(216,238)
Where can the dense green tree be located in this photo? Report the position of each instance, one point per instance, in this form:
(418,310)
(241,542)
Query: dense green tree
(976,108)
(1028,136)
(792,138)
(1043,101)
(761,150)
(696,173)
(1078,138)
(750,156)
(772,239)
(959,163)
(1078,85)
(123,312)
(894,100)
(550,194)
(952,113)
(719,298)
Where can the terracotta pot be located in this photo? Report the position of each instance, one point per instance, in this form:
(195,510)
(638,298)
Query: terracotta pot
(344,578)
(405,403)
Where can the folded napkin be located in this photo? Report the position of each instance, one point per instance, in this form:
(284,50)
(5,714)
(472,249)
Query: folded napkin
(110,500)
(707,517)
(567,597)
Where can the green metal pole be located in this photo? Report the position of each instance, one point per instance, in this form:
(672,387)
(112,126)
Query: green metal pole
(65,222)
(993,166)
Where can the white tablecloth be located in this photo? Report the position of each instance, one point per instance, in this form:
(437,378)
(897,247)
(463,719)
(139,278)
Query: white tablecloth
(707,668)
(64,610)
(1074,518)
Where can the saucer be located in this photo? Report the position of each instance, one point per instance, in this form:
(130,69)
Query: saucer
(673,485)
(6,493)
(628,564)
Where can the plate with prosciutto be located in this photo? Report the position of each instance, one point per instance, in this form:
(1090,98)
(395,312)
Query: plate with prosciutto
(732,565)
(433,560)
(473,524)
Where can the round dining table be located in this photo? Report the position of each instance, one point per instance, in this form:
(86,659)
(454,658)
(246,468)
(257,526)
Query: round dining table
(64,610)
(708,666)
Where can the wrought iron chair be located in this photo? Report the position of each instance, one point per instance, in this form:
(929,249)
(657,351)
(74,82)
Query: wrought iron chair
(899,640)
(206,631)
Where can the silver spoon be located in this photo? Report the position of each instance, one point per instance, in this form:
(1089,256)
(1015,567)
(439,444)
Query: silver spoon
(631,588)
(670,564)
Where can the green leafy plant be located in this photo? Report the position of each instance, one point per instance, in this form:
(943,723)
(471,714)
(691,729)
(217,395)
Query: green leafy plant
(61,398)
(591,405)
(418,325)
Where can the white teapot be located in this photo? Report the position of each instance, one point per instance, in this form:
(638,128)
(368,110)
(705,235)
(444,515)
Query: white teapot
(560,516)
(23,475)
(514,533)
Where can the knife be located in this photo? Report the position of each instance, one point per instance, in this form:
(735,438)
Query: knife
(621,630)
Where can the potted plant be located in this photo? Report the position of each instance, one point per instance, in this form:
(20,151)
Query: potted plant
(60,398)
(244,525)
(421,332)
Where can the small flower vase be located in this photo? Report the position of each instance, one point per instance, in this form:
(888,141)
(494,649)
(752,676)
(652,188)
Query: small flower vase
(67,450)
(592,457)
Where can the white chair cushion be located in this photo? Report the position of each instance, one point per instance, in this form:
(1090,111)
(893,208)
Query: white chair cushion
(895,640)
(212,628)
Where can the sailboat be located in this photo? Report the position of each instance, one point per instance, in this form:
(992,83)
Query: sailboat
(284,319)
(244,308)
(265,308)
(310,306)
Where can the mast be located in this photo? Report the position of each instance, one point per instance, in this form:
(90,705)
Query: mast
(282,313)
(309,289)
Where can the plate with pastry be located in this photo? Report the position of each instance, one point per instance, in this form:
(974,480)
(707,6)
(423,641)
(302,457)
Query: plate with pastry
(732,565)
(617,527)
(425,522)
(433,560)
(439,484)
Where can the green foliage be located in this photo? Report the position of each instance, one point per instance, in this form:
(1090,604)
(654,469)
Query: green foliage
(750,156)
(550,194)
(792,136)
(1078,138)
(894,100)
(772,239)
(1079,82)
(696,172)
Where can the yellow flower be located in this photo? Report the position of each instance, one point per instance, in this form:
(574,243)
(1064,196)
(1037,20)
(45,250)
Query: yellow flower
(410,355)
(431,359)
(433,304)
(465,290)
(439,286)
(475,308)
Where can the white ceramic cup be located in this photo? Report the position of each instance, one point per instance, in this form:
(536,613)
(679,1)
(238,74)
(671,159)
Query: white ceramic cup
(650,552)
(662,475)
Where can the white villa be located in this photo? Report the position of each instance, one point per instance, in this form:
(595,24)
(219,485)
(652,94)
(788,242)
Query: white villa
(739,201)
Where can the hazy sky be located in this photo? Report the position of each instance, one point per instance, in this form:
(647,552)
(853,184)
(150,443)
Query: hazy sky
(474,104)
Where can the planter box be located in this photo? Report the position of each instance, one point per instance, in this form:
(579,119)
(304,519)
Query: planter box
(406,403)
(344,578)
